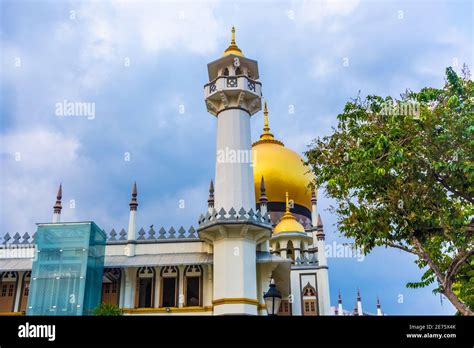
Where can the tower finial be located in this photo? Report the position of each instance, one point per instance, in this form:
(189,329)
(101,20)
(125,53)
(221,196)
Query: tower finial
(59,196)
(210,200)
(133,201)
(232,42)
(233,48)
(287,208)
(263,195)
(339,298)
(266,128)
(266,136)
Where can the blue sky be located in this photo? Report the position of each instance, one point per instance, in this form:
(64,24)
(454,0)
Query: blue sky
(77,51)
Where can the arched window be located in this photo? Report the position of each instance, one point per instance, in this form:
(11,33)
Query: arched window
(169,286)
(238,71)
(25,291)
(249,73)
(111,285)
(226,72)
(277,248)
(310,306)
(145,287)
(193,285)
(290,250)
(8,283)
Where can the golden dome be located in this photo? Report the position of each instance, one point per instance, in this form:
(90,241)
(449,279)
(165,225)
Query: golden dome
(233,48)
(288,222)
(282,169)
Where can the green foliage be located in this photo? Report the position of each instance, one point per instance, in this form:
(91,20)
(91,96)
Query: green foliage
(107,309)
(402,173)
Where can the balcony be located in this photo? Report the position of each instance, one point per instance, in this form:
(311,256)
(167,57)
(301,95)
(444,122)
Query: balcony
(229,84)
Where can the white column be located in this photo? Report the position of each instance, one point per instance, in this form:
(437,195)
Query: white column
(359,303)
(379,310)
(297,246)
(234,187)
(323,278)
(181,287)
(56,217)
(235,276)
(18,291)
(129,291)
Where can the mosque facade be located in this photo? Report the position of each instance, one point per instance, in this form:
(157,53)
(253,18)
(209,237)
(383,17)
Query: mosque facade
(262,224)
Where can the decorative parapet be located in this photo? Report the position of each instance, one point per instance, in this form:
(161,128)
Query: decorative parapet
(18,239)
(306,261)
(151,236)
(119,238)
(232,217)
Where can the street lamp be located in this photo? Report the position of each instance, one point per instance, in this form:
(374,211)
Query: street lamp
(272,299)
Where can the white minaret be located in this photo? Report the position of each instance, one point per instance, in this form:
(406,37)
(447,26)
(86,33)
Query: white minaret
(131,236)
(57,206)
(379,310)
(359,303)
(233,95)
(340,311)
(323,276)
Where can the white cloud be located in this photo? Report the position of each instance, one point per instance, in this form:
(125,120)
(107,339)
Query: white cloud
(30,182)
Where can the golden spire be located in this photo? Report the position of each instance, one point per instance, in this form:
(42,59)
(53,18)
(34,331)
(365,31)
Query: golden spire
(233,48)
(266,136)
(266,128)
(287,209)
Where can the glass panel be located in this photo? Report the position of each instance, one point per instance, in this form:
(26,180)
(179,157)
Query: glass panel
(67,274)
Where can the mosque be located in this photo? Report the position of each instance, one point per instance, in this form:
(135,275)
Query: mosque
(261,227)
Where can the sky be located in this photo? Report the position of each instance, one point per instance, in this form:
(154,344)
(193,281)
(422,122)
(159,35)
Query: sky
(142,66)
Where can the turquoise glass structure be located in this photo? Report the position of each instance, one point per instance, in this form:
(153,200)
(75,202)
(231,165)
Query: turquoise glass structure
(66,278)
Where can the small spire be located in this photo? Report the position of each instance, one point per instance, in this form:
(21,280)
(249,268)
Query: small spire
(319,222)
(263,195)
(378,302)
(133,201)
(287,208)
(210,200)
(59,196)
(339,298)
(314,200)
(358,295)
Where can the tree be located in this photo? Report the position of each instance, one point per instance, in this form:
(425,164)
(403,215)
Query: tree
(402,173)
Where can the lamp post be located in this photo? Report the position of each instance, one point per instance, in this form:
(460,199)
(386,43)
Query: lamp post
(272,299)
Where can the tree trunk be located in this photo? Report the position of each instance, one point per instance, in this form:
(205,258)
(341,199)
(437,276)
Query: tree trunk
(446,289)
(460,306)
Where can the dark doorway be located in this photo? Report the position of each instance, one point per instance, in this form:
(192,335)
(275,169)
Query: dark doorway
(192,291)
(144,299)
(169,292)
